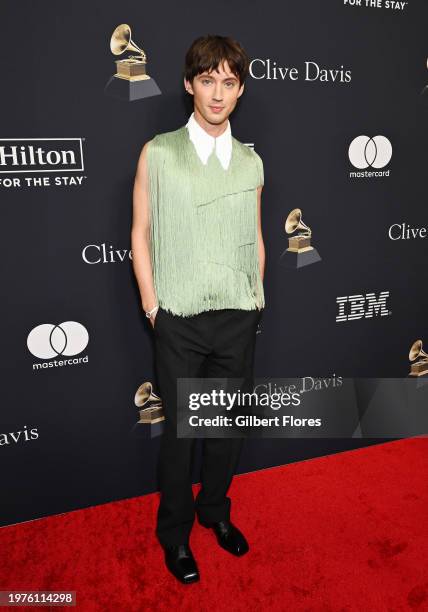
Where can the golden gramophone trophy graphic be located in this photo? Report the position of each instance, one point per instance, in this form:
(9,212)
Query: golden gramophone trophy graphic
(420,359)
(150,409)
(300,252)
(131,81)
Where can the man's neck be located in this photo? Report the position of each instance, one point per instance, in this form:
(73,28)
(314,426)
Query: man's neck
(213,129)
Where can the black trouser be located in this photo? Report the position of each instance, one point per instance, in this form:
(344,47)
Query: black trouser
(212,344)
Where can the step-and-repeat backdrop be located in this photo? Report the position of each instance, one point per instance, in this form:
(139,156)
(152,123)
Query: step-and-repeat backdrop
(336,106)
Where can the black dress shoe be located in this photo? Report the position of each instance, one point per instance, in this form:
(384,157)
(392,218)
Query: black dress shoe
(180,562)
(229,537)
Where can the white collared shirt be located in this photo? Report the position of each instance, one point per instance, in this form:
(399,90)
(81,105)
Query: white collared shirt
(205,144)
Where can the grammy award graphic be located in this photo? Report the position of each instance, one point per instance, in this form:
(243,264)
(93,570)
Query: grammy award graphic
(151,413)
(131,81)
(300,252)
(420,359)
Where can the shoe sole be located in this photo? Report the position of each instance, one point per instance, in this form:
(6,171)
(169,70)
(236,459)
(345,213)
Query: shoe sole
(183,580)
(235,554)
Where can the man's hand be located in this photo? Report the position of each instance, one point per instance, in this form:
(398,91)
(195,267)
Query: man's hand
(153,318)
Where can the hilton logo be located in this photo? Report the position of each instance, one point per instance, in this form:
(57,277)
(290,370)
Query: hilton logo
(40,156)
(362,306)
(18,155)
(393,5)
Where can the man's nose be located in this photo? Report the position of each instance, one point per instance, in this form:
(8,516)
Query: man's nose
(218,94)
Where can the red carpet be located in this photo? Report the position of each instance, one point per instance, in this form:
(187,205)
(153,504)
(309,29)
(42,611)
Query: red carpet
(340,533)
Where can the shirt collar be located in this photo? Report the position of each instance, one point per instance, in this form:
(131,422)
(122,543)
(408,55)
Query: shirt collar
(205,143)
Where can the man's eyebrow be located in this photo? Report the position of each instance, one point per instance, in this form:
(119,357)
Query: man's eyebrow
(205,74)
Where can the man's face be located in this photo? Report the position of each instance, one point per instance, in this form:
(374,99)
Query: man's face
(215,93)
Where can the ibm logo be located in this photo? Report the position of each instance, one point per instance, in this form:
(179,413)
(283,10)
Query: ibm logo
(362,306)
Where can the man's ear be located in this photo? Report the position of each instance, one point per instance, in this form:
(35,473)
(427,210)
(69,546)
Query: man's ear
(187,86)
(241,91)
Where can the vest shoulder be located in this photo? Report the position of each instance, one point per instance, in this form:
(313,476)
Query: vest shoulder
(165,139)
(245,150)
(248,154)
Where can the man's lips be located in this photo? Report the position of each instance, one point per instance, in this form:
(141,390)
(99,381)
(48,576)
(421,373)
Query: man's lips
(216,109)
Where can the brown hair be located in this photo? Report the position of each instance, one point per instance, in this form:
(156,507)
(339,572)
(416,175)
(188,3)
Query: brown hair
(207,52)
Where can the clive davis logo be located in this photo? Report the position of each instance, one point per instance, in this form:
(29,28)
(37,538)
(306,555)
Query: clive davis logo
(66,340)
(40,156)
(352,307)
(369,152)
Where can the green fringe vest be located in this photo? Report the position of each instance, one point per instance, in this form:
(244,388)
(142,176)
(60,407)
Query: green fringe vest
(203,226)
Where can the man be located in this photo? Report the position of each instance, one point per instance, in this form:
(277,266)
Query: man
(199,257)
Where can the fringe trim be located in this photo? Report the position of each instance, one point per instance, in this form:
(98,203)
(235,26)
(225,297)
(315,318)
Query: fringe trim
(203,232)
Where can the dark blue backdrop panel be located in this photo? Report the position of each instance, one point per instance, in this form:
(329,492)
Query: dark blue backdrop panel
(323,73)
